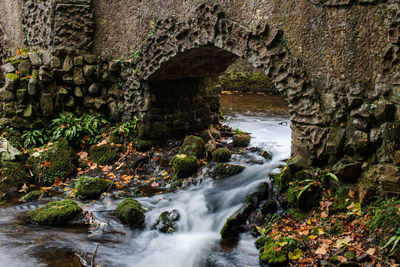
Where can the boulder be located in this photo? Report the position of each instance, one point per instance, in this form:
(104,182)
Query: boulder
(131,212)
(221,155)
(12,176)
(68,64)
(55,160)
(35,59)
(223,170)
(166,223)
(91,188)
(78,77)
(241,140)
(384,111)
(183,166)
(7,68)
(12,80)
(104,154)
(55,213)
(8,152)
(269,207)
(193,146)
(347,169)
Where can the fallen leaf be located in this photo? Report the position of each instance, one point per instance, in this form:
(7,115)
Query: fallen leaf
(24,188)
(57,182)
(294,255)
(371,251)
(342,242)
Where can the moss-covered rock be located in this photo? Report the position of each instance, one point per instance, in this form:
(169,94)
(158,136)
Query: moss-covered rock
(104,154)
(223,170)
(55,213)
(260,194)
(304,196)
(143,145)
(91,188)
(166,223)
(12,76)
(193,146)
(221,155)
(12,176)
(131,212)
(183,166)
(13,136)
(265,154)
(241,140)
(269,207)
(32,196)
(54,160)
(272,254)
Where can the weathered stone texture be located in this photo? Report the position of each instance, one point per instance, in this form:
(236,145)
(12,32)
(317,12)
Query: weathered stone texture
(58,23)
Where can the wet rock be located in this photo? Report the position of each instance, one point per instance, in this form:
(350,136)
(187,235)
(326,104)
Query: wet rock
(210,133)
(7,68)
(32,196)
(12,176)
(91,188)
(267,155)
(221,155)
(90,59)
(6,95)
(44,74)
(347,170)
(183,166)
(12,81)
(260,194)
(269,207)
(78,77)
(384,111)
(78,61)
(68,64)
(55,213)
(241,140)
(24,67)
(35,59)
(46,104)
(60,158)
(361,124)
(32,86)
(223,170)
(104,154)
(193,146)
(8,152)
(305,201)
(94,89)
(166,223)
(55,62)
(131,212)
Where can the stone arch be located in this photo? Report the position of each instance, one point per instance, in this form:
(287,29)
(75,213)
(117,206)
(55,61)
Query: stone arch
(205,45)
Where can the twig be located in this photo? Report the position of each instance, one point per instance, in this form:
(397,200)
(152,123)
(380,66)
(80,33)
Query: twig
(375,257)
(94,255)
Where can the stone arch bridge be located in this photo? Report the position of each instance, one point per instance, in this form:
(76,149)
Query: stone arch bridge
(335,61)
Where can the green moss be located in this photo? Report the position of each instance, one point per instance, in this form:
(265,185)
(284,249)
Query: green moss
(12,76)
(104,154)
(270,256)
(12,175)
(183,166)
(32,196)
(55,161)
(91,188)
(223,170)
(55,213)
(241,140)
(221,155)
(298,214)
(193,146)
(261,193)
(260,242)
(143,145)
(341,199)
(13,136)
(269,207)
(304,200)
(130,212)
(235,80)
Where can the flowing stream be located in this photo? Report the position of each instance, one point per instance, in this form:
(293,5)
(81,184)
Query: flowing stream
(203,209)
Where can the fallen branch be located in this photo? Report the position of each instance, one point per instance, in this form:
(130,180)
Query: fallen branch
(94,255)
(375,257)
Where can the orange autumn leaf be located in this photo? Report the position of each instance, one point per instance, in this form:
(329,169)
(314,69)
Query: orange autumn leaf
(47,164)
(24,188)
(57,182)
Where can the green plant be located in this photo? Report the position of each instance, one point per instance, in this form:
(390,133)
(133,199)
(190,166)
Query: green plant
(127,128)
(34,138)
(135,54)
(395,239)
(74,129)
(238,131)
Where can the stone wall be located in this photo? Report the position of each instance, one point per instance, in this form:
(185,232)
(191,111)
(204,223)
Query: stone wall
(39,85)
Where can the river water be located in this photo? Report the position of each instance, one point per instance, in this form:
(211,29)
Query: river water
(203,209)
